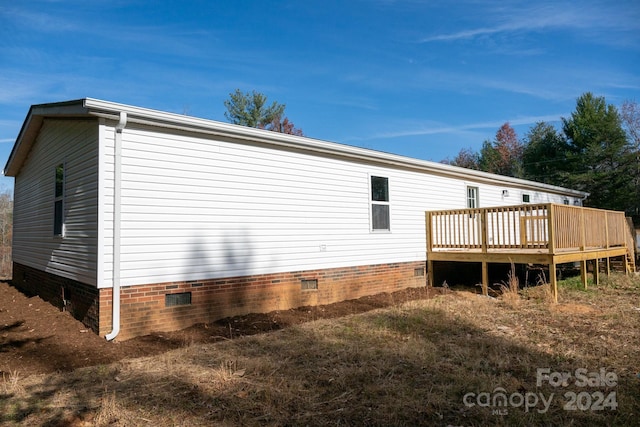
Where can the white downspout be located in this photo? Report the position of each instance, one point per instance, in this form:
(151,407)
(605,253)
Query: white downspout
(117,187)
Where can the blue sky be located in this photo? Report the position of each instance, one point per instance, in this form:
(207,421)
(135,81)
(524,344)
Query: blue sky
(417,78)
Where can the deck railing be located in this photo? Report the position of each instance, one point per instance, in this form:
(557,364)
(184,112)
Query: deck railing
(545,227)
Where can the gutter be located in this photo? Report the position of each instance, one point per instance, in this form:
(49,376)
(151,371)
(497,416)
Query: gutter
(117,208)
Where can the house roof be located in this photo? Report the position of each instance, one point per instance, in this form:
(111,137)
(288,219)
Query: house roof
(89,107)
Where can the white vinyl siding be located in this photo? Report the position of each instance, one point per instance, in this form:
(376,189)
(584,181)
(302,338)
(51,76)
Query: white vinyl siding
(72,143)
(197,207)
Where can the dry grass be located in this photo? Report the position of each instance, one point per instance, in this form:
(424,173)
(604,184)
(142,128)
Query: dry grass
(510,291)
(542,292)
(411,364)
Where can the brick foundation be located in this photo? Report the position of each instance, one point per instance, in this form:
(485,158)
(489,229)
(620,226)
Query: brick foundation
(79,299)
(144,309)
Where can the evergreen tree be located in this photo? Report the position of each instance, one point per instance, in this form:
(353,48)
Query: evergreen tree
(599,158)
(544,155)
(250,109)
(488,158)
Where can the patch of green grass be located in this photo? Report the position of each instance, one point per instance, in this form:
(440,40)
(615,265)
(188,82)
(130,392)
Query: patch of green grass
(575,284)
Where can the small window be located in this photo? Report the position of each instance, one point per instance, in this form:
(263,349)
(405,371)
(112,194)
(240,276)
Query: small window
(380,216)
(526,198)
(565,201)
(472,197)
(58,205)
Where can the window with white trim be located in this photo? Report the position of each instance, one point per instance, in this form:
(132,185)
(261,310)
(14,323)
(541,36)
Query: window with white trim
(472,197)
(526,198)
(380,209)
(58,204)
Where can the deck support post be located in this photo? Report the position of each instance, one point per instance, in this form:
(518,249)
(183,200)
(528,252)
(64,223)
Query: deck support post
(553,276)
(608,264)
(583,273)
(596,271)
(429,239)
(485,278)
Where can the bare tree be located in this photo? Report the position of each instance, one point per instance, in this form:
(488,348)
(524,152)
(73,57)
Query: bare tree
(6,232)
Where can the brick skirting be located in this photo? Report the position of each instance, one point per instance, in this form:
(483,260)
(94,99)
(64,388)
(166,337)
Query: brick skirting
(145,308)
(79,299)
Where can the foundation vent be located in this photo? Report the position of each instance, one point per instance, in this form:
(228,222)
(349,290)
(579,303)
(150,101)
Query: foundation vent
(309,284)
(173,300)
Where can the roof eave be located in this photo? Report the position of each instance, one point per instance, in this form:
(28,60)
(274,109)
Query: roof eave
(110,110)
(173,120)
(31,127)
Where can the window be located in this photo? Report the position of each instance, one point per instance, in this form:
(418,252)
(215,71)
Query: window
(380,219)
(526,198)
(472,197)
(58,208)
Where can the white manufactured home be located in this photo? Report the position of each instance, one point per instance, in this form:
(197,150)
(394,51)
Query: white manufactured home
(138,220)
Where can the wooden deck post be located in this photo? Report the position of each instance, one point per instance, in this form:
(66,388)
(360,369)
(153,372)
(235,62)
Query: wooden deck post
(483,231)
(551,226)
(427,219)
(583,233)
(606,229)
(554,281)
(583,273)
(596,271)
(485,266)
(485,278)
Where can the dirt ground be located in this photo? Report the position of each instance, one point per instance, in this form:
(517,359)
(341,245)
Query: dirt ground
(36,337)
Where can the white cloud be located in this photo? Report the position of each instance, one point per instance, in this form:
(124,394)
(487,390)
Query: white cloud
(614,18)
(436,128)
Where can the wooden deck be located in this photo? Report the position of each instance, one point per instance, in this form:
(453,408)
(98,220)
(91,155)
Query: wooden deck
(547,234)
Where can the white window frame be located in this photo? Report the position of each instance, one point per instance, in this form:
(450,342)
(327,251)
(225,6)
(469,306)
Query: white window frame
(373,203)
(475,198)
(59,199)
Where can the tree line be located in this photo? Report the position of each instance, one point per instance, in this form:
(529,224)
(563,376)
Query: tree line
(597,150)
